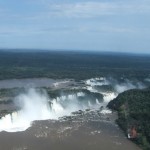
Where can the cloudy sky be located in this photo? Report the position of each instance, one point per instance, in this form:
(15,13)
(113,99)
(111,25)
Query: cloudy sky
(104,25)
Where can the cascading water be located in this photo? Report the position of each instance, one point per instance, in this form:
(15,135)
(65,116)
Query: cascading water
(36,105)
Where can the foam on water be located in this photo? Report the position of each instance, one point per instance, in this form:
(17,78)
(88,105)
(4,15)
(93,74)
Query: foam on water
(97,81)
(36,105)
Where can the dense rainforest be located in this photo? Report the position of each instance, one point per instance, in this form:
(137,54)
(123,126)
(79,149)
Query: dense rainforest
(70,64)
(133,108)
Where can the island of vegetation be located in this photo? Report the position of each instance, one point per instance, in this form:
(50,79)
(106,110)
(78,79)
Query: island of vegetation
(133,108)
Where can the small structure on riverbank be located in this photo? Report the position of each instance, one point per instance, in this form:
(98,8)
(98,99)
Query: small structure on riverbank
(132,133)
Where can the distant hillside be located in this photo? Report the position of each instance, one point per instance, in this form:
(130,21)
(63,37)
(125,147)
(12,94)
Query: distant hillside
(133,108)
(76,65)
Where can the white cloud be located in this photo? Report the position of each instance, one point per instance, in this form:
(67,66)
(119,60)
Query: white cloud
(81,10)
(47,19)
(110,29)
(7,31)
(95,9)
(87,9)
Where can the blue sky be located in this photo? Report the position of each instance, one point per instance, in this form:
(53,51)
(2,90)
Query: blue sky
(104,25)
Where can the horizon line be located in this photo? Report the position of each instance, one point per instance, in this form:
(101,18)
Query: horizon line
(71,50)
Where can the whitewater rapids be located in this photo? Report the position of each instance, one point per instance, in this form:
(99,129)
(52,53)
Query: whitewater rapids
(36,105)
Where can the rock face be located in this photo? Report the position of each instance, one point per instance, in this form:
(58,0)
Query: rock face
(133,108)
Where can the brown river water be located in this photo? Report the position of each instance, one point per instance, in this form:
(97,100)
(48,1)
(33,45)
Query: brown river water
(88,131)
